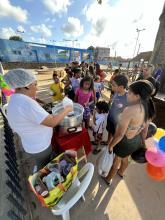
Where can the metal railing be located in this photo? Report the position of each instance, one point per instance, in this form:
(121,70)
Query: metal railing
(14,209)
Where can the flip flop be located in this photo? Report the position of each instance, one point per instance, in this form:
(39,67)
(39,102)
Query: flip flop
(93,143)
(96,151)
(105,180)
(121,176)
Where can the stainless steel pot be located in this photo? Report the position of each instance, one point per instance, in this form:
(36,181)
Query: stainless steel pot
(70,121)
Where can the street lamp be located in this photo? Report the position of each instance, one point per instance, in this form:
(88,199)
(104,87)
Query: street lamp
(20,31)
(138,34)
(55,41)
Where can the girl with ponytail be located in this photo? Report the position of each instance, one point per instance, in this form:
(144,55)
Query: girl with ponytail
(132,126)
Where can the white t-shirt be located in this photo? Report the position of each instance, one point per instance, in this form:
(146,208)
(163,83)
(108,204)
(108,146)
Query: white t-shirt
(99,123)
(97,87)
(25,116)
(75,83)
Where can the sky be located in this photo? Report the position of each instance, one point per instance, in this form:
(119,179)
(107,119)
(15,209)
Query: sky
(83,22)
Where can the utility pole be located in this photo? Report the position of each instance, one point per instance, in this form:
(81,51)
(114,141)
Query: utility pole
(138,34)
(138,49)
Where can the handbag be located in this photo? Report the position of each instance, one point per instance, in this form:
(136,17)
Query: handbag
(139,155)
(105,162)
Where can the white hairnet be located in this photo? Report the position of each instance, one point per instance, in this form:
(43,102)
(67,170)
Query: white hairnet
(19,78)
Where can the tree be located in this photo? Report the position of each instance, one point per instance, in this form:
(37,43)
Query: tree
(91,48)
(17,38)
(99,1)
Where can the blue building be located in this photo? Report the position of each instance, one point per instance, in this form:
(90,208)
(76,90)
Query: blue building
(19,51)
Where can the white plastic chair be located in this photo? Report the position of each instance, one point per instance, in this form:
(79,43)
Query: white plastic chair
(75,192)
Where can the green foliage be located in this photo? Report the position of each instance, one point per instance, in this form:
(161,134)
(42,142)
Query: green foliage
(91,48)
(17,38)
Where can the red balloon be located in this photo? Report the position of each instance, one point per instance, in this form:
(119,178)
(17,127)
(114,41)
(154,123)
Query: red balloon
(156,173)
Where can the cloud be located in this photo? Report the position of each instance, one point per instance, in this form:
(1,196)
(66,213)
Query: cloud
(42,29)
(32,39)
(7,32)
(20,29)
(57,6)
(73,27)
(98,16)
(15,12)
(99,26)
(118,23)
(138,19)
(40,40)
(47,20)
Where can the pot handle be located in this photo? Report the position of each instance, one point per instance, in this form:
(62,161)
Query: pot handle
(71,130)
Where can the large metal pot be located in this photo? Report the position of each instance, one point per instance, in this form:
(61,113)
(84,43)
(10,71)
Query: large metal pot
(73,120)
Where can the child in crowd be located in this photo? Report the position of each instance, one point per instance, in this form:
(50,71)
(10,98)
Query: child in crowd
(119,102)
(68,90)
(99,118)
(67,68)
(100,73)
(98,88)
(56,88)
(68,76)
(115,73)
(76,79)
(91,71)
(74,65)
(85,96)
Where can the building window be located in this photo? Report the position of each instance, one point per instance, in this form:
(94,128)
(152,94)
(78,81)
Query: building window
(17,52)
(14,52)
(47,56)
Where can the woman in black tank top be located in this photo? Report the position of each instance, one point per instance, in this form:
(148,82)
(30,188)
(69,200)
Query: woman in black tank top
(123,145)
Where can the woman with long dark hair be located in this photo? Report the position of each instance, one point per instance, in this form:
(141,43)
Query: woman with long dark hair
(132,126)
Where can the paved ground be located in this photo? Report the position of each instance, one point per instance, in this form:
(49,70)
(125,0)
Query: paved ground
(137,197)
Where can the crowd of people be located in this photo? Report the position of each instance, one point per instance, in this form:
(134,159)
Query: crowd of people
(126,114)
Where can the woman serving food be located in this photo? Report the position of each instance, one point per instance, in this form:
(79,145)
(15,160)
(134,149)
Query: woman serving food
(28,119)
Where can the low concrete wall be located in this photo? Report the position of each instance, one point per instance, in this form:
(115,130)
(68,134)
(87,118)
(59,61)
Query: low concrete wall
(33,65)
